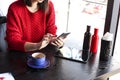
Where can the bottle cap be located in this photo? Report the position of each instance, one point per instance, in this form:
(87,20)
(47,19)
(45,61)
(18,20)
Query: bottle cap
(88,28)
(96,30)
(108,36)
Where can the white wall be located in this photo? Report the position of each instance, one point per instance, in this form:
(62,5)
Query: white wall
(4,4)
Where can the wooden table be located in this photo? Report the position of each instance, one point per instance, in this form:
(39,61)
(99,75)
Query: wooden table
(59,69)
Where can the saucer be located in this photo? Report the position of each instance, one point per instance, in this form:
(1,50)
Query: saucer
(45,65)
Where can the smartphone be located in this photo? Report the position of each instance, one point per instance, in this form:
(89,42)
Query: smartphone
(63,35)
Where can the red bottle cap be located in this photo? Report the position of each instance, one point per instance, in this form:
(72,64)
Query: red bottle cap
(96,31)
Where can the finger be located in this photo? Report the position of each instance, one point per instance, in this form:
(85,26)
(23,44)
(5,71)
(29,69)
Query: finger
(43,44)
(50,35)
(61,39)
(58,43)
(53,43)
(46,38)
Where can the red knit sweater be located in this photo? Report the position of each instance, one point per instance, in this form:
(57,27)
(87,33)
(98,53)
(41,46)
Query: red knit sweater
(24,26)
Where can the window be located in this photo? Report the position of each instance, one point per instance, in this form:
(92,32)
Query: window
(117,51)
(4,4)
(74,15)
(117,43)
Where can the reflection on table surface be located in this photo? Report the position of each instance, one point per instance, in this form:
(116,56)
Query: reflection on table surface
(72,50)
(74,54)
(59,69)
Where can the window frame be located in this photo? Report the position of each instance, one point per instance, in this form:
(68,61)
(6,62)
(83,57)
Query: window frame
(112,19)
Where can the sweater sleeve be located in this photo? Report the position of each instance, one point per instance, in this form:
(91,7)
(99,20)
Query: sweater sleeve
(51,27)
(14,30)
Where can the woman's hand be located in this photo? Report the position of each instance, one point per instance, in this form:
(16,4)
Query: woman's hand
(52,39)
(46,40)
(57,42)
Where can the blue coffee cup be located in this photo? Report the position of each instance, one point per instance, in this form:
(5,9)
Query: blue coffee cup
(37,58)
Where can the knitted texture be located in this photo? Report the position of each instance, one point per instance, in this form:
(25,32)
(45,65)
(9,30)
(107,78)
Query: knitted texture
(25,26)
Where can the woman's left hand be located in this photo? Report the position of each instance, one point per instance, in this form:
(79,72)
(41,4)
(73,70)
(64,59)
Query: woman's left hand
(58,42)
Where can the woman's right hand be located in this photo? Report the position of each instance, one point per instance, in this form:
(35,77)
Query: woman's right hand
(46,40)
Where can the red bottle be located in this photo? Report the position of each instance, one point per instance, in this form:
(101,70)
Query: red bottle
(94,42)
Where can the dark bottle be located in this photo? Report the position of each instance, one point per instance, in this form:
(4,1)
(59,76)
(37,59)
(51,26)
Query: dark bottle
(87,38)
(94,42)
(86,44)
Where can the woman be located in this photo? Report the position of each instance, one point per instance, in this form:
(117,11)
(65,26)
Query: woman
(31,25)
